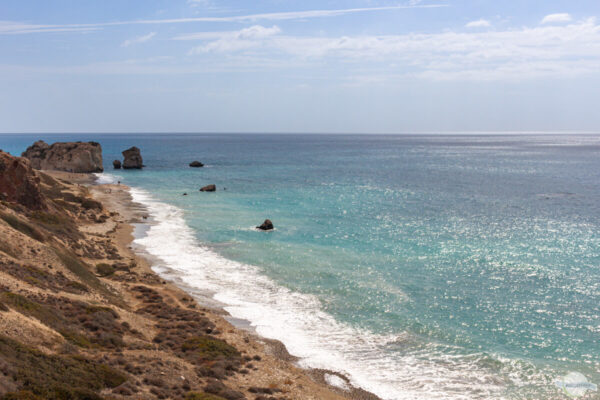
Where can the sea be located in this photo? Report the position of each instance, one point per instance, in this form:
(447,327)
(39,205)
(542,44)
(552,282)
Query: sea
(419,266)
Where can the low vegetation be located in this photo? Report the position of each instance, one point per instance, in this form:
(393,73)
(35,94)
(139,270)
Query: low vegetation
(55,377)
(209,348)
(105,270)
(23,227)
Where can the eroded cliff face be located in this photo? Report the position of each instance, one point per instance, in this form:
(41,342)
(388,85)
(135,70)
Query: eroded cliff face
(69,156)
(19,183)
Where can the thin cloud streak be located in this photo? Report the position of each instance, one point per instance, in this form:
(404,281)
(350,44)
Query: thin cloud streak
(139,39)
(14,28)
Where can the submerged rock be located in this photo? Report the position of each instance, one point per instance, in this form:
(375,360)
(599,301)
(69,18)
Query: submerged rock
(196,164)
(77,157)
(266,226)
(117,164)
(209,188)
(132,158)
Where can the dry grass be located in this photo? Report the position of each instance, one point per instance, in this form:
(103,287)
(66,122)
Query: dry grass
(23,227)
(60,377)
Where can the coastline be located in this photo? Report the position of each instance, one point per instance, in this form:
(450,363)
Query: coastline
(278,365)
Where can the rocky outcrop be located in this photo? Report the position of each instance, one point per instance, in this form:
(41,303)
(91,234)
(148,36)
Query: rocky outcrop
(209,188)
(19,183)
(117,164)
(196,164)
(68,156)
(132,159)
(266,226)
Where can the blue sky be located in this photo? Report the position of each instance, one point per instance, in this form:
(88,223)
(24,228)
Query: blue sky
(356,66)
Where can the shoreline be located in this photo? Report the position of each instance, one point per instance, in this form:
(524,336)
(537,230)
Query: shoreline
(134,215)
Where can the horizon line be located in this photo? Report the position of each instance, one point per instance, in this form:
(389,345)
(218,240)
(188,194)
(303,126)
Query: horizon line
(440,133)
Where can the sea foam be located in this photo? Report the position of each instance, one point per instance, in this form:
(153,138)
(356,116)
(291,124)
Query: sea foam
(299,321)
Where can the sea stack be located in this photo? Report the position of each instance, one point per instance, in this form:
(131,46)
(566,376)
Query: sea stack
(266,226)
(117,164)
(77,157)
(132,158)
(196,164)
(209,188)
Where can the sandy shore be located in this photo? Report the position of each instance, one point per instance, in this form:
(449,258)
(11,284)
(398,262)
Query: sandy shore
(276,367)
(83,316)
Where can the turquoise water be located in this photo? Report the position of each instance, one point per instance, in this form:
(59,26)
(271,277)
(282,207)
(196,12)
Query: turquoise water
(423,267)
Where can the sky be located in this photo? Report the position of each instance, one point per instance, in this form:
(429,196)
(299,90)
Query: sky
(327,66)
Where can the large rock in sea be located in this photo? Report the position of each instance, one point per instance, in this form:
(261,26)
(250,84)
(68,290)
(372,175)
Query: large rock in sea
(117,164)
(68,156)
(266,226)
(209,188)
(196,164)
(132,159)
(19,183)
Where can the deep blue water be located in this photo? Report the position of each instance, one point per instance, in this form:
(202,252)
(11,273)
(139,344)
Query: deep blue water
(422,266)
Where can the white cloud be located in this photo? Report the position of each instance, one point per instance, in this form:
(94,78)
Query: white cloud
(230,41)
(481,23)
(556,18)
(139,39)
(567,50)
(253,32)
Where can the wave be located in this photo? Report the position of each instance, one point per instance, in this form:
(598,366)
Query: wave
(391,366)
(106,178)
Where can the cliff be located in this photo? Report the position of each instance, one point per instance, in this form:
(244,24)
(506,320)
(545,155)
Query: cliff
(19,182)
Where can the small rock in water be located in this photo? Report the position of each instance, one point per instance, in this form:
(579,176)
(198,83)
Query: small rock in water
(185,194)
(209,188)
(266,226)
(196,164)
(117,164)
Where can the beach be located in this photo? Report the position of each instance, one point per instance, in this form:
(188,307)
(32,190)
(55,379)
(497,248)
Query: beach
(120,313)
(276,367)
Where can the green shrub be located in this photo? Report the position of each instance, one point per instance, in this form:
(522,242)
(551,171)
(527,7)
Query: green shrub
(209,348)
(105,270)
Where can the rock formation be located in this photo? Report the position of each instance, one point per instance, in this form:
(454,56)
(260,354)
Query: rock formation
(69,156)
(19,183)
(132,159)
(196,164)
(117,164)
(266,226)
(209,188)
